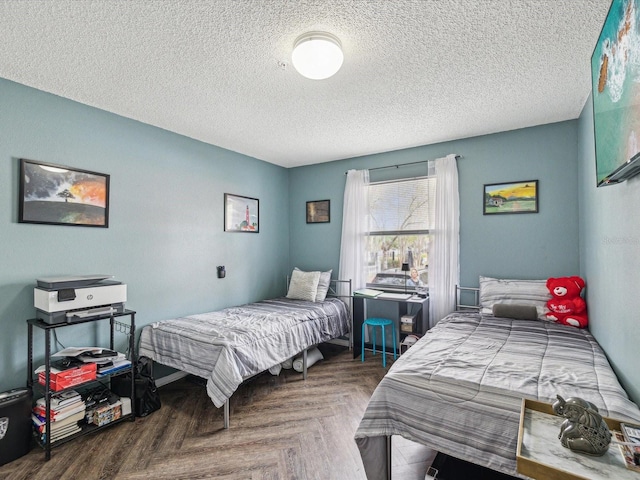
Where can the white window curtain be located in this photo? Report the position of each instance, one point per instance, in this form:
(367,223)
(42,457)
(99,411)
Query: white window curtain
(355,229)
(444,257)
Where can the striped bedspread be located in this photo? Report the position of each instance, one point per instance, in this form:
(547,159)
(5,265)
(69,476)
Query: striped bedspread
(230,345)
(459,389)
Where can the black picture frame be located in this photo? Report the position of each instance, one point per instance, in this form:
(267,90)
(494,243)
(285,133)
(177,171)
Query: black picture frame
(241,214)
(510,197)
(319,211)
(54,194)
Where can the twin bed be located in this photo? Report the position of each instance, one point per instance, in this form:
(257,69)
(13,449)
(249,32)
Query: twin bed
(459,389)
(229,346)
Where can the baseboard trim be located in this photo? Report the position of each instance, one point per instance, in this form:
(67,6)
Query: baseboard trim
(174,377)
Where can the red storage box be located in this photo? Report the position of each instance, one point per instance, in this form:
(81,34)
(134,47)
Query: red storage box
(61,379)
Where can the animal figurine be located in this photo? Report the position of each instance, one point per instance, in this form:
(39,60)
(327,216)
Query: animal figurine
(583,430)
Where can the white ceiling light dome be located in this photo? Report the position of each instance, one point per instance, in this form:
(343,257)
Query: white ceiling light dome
(317,55)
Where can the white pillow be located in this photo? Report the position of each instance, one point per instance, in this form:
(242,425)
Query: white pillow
(513,292)
(303,285)
(323,285)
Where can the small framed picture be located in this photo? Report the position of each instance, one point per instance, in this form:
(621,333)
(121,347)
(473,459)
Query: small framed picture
(241,214)
(319,211)
(513,197)
(58,195)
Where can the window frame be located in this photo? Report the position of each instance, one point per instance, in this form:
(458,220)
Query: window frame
(399,233)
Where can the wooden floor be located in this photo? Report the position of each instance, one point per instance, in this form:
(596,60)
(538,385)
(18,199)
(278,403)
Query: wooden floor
(281,428)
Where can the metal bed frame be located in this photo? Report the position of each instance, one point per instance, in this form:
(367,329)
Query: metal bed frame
(333,291)
(463,294)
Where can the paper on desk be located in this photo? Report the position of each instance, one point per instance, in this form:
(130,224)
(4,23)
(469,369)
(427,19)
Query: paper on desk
(368,292)
(394,296)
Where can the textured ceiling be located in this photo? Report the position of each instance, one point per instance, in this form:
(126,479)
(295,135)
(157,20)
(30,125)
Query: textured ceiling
(415,72)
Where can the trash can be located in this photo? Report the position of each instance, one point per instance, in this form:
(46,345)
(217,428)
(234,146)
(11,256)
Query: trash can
(15,424)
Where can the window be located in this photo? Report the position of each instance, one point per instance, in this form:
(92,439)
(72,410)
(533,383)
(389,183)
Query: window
(401,216)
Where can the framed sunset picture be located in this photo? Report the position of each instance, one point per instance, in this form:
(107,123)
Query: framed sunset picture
(59,195)
(513,197)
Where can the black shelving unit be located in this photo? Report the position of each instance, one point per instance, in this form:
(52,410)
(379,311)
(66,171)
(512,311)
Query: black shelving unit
(115,326)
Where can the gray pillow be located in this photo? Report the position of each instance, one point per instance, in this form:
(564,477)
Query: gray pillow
(303,285)
(518,312)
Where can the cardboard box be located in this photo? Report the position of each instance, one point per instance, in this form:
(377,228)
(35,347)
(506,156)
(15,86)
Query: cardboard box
(408,319)
(406,328)
(61,379)
(407,323)
(107,414)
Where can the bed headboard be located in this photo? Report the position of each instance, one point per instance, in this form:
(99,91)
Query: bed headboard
(340,288)
(467,299)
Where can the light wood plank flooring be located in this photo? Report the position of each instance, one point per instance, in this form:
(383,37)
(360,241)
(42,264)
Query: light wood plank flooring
(281,428)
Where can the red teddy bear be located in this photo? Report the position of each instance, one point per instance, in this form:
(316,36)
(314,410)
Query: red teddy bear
(567,306)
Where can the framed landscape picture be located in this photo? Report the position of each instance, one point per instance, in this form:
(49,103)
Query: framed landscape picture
(58,195)
(241,214)
(514,197)
(318,211)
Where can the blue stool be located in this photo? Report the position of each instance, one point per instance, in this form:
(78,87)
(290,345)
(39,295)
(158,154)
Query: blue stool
(380,322)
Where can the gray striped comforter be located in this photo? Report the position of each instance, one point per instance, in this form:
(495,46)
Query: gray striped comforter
(230,345)
(459,389)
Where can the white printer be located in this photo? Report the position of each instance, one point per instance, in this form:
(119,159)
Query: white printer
(67,299)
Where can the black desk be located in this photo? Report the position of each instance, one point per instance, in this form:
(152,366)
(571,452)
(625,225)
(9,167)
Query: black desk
(415,303)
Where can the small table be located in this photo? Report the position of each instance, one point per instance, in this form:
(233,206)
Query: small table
(541,456)
(403,304)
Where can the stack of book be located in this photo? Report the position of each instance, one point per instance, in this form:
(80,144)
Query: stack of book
(113,366)
(67,409)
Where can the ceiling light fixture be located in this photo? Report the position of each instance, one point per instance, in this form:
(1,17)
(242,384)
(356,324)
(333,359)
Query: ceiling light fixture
(317,55)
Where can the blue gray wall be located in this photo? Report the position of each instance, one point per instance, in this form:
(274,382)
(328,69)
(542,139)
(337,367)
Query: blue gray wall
(610,260)
(165,236)
(509,246)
